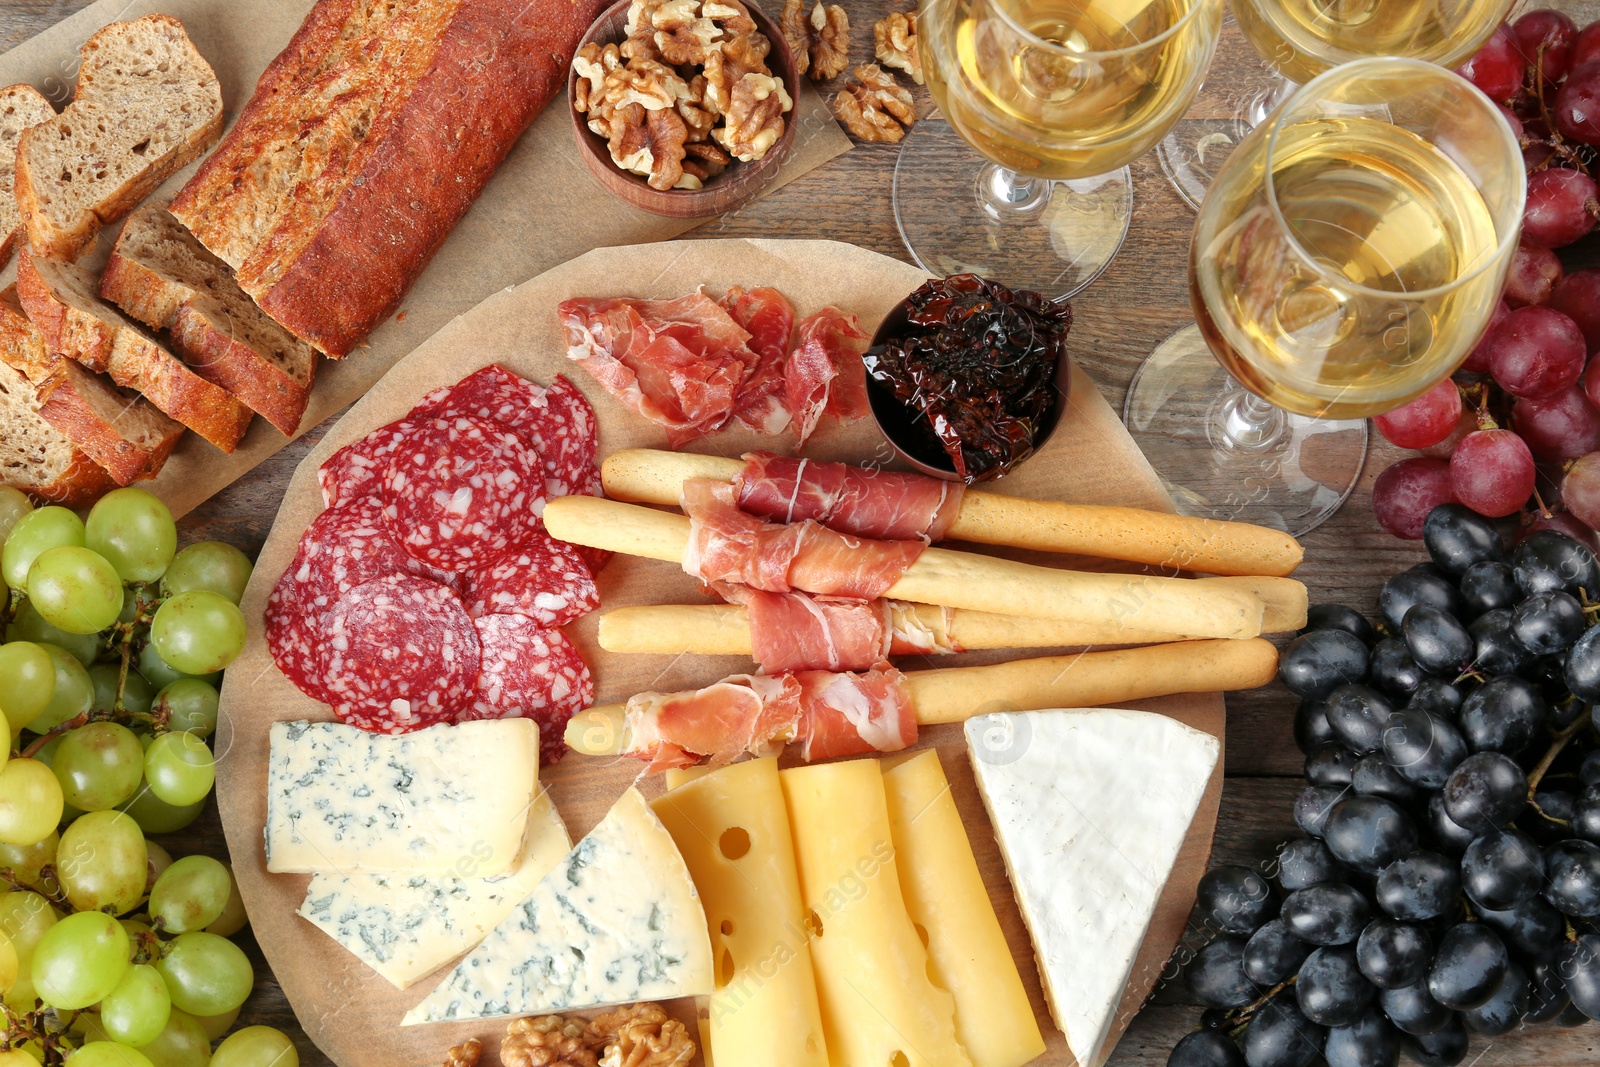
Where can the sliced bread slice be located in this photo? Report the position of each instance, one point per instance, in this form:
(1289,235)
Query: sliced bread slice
(116,428)
(147,103)
(21,106)
(63,302)
(160,275)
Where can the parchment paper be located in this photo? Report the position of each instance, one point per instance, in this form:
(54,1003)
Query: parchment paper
(353,1014)
(542,208)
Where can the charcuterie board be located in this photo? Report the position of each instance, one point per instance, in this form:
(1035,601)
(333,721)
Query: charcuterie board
(351,1012)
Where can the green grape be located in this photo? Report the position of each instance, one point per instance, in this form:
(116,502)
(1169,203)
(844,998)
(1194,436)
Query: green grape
(72,694)
(134,531)
(9,964)
(75,590)
(191,894)
(198,632)
(22,996)
(159,672)
(17,1057)
(206,974)
(137,694)
(27,862)
(156,816)
(28,625)
(256,1046)
(157,859)
(102,862)
(35,534)
(14,504)
(80,960)
(190,705)
(25,918)
(180,769)
(214,1025)
(27,682)
(98,765)
(211,565)
(108,1054)
(136,1011)
(30,802)
(182,1044)
(233,917)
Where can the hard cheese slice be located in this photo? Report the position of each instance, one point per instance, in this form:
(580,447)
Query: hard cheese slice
(617,921)
(406,926)
(445,800)
(1090,808)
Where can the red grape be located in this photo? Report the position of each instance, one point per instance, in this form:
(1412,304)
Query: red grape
(1560,522)
(1467,423)
(1577,110)
(1535,272)
(1492,472)
(1586,48)
(1425,421)
(1478,361)
(1407,491)
(1578,298)
(1551,31)
(1498,67)
(1517,128)
(1561,207)
(1537,353)
(1580,489)
(1560,428)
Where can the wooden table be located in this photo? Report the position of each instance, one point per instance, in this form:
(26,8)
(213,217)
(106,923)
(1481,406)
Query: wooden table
(1139,301)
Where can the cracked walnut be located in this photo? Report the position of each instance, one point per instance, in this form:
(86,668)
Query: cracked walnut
(873,107)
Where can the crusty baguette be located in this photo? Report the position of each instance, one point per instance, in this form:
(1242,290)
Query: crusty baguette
(116,428)
(159,274)
(365,142)
(62,301)
(146,104)
(21,106)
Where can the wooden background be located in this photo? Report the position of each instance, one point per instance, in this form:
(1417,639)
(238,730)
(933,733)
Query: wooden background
(1139,301)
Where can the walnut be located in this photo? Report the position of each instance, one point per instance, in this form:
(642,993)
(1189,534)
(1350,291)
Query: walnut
(464,1055)
(682,34)
(754,119)
(641,45)
(702,163)
(548,1041)
(796,31)
(644,81)
(820,41)
(870,106)
(640,16)
(641,1035)
(731,15)
(728,66)
(697,116)
(649,143)
(895,38)
(593,63)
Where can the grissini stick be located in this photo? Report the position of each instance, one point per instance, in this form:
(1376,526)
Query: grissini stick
(1087,680)
(954,579)
(652,476)
(724,629)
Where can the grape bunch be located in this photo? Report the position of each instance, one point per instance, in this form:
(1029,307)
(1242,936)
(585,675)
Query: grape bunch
(111,950)
(1448,879)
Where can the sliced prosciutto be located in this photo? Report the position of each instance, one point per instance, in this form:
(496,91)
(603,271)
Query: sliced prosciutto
(825,375)
(769,318)
(800,632)
(679,363)
(730,545)
(886,505)
(828,714)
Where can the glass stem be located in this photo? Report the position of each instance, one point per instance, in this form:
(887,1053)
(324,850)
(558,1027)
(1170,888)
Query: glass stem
(1264,104)
(1005,194)
(1250,424)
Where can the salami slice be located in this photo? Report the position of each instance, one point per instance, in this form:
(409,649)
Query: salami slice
(492,393)
(568,437)
(462,492)
(545,579)
(532,673)
(399,653)
(356,471)
(292,636)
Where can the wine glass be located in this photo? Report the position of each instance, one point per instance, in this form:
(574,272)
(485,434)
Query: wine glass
(1299,39)
(1058,96)
(1348,255)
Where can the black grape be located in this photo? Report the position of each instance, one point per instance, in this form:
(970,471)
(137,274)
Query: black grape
(1328,914)
(1458,537)
(1438,696)
(1548,560)
(1393,670)
(1589,770)
(1317,663)
(1393,954)
(1339,617)
(1331,990)
(1578,964)
(1422,584)
(1585,814)
(1503,716)
(1422,747)
(1546,623)
(1374,777)
(1234,899)
(1422,886)
(1413,1009)
(1280,1036)
(1357,714)
(1311,729)
(1448,837)
(1369,833)
(1437,641)
(1501,1013)
(1502,869)
(1273,954)
(1467,967)
(1533,928)
(1445,1047)
(1495,646)
(1547,994)
(1205,1048)
(1332,764)
(1485,792)
(1307,861)
(1487,586)
(1370,1041)
(1216,975)
(1583,668)
(1572,870)
(1311,807)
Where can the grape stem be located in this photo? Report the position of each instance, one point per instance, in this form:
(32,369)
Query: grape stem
(1244,1014)
(80,719)
(22,1027)
(1536,775)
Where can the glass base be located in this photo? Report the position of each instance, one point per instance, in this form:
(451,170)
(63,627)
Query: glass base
(959,213)
(1224,454)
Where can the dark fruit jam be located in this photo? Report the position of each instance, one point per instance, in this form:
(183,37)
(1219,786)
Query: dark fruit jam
(976,369)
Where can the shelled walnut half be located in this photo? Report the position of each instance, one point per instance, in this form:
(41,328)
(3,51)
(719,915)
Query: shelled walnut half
(641,1035)
(820,40)
(547,1041)
(873,107)
(895,42)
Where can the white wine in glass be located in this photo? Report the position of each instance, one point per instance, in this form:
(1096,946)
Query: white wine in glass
(1058,96)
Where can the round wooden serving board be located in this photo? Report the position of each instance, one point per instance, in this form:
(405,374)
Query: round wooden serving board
(354,1015)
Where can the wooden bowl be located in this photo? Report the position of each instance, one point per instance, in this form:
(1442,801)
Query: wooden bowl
(734,187)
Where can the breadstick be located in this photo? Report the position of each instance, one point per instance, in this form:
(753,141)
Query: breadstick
(1092,679)
(724,629)
(651,476)
(956,579)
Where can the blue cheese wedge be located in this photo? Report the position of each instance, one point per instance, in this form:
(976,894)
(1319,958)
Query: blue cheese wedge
(448,800)
(1090,808)
(618,921)
(406,926)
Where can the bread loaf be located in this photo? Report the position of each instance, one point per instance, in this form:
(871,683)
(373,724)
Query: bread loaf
(365,142)
(21,106)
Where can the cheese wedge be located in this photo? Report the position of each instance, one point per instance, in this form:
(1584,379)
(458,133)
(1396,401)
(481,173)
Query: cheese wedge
(617,921)
(1090,808)
(406,926)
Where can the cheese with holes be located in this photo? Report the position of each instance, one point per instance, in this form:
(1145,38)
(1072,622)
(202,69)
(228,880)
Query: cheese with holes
(946,898)
(733,830)
(878,1004)
(406,926)
(617,921)
(445,800)
(1091,808)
